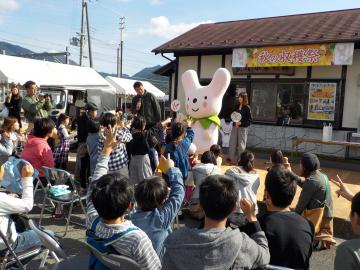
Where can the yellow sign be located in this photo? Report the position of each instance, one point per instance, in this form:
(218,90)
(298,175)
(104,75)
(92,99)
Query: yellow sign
(298,55)
(322,97)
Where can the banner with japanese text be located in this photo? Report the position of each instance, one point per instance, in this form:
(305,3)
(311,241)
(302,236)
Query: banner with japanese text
(327,54)
(322,97)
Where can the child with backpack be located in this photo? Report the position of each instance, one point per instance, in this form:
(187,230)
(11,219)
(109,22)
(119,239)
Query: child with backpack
(61,151)
(157,207)
(109,197)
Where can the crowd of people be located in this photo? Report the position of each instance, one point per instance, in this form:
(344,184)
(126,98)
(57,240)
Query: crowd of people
(139,174)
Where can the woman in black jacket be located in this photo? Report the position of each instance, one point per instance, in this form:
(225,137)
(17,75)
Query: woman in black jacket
(13,103)
(239,132)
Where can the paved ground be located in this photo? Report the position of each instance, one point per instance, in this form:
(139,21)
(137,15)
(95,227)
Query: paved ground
(73,243)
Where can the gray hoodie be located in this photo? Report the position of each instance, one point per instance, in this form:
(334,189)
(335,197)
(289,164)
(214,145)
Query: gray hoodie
(247,183)
(217,248)
(200,172)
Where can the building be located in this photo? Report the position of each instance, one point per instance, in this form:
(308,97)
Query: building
(299,72)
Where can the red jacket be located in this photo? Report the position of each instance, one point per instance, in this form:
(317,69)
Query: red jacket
(38,152)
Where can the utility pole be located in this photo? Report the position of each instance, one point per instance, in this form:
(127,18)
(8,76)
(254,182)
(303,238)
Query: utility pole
(122,27)
(67,55)
(88,34)
(82,35)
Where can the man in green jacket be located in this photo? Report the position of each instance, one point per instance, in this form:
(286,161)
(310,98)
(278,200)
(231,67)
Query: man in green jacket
(146,105)
(35,106)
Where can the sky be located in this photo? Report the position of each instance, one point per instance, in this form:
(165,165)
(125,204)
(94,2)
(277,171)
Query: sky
(48,25)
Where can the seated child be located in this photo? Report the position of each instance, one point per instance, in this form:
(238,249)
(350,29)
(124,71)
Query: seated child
(216,149)
(157,208)
(215,246)
(109,197)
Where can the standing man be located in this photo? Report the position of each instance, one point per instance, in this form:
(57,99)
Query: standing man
(146,105)
(35,106)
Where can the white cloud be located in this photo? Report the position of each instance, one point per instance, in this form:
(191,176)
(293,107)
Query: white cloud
(161,27)
(9,5)
(156,2)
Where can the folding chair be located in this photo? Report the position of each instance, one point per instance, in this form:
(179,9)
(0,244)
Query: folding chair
(60,177)
(52,246)
(20,259)
(115,261)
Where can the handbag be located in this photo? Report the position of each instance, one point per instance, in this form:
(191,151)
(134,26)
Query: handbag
(315,215)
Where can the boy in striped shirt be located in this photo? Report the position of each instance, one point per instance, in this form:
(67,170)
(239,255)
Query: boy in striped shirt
(109,196)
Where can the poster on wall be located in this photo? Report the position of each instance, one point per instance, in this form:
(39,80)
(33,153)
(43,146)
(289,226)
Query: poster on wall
(322,97)
(327,54)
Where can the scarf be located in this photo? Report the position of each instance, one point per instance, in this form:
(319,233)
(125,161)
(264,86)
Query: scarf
(206,121)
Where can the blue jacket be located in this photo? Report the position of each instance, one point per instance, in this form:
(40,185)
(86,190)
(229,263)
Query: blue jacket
(157,223)
(179,153)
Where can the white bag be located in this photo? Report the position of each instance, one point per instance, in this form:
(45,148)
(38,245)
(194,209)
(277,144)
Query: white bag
(327,133)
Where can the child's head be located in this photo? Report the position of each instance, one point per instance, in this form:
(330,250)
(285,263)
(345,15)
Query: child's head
(153,141)
(138,123)
(10,124)
(93,127)
(151,193)
(43,127)
(216,149)
(111,196)
(129,118)
(63,119)
(108,119)
(277,157)
(355,213)
(280,186)
(208,157)
(309,163)
(246,161)
(218,197)
(177,131)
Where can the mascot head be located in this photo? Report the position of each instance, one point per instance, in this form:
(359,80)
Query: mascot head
(204,101)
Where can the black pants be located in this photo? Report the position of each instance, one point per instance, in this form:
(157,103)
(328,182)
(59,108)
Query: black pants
(84,170)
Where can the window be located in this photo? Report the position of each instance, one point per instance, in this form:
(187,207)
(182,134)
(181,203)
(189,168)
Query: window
(282,103)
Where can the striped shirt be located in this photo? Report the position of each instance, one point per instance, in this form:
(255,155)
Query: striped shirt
(135,244)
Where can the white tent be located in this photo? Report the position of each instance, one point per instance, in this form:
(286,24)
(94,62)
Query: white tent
(19,70)
(125,87)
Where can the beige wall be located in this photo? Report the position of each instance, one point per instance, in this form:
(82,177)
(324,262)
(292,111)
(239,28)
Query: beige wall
(328,72)
(209,64)
(352,93)
(300,73)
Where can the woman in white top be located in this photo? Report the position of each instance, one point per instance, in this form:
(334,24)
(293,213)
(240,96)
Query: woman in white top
(247,181)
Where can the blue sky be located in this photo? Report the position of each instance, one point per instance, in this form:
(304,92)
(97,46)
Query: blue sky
(47,25)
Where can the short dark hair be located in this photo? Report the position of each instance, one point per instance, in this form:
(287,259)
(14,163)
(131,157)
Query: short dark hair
(111,196)
(218,196)
(247,161)
(216,149)
(137,84)
(281,185)
(277,157)
(108,119)
(42,127)
(28,84)
(177,130)
(138,123)
(310,163)
(153,141)
(208,157)
(93,126)
(62,117)
(355,204)
(151,193)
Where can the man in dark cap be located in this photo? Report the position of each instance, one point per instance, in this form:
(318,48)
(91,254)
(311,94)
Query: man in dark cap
(82,170)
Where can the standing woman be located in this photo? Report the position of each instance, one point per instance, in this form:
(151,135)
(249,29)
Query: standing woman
(13,103)
(238,137)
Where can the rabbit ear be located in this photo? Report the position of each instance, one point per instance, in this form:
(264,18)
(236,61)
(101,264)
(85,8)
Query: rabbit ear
(220,81)
(190,80)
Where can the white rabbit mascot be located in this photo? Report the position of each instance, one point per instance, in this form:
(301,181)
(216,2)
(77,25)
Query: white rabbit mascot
(203,104)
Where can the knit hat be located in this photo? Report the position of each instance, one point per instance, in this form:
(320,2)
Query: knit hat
(90,107)
(192,149)
(310,162)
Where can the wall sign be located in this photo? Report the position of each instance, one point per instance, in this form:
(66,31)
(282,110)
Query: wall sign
(322,97)
(289,71)
(327,54)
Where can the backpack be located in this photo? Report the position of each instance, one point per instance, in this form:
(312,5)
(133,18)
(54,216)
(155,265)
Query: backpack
(102,245)
(12,175)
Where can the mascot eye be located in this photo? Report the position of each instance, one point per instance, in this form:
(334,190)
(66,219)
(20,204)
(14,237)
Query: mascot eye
(205,97)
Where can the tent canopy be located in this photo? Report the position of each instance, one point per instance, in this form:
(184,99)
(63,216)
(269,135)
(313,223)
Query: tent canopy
(19,70)
(125,87)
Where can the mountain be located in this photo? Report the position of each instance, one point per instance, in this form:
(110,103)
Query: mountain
(105,74)
(147,74)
